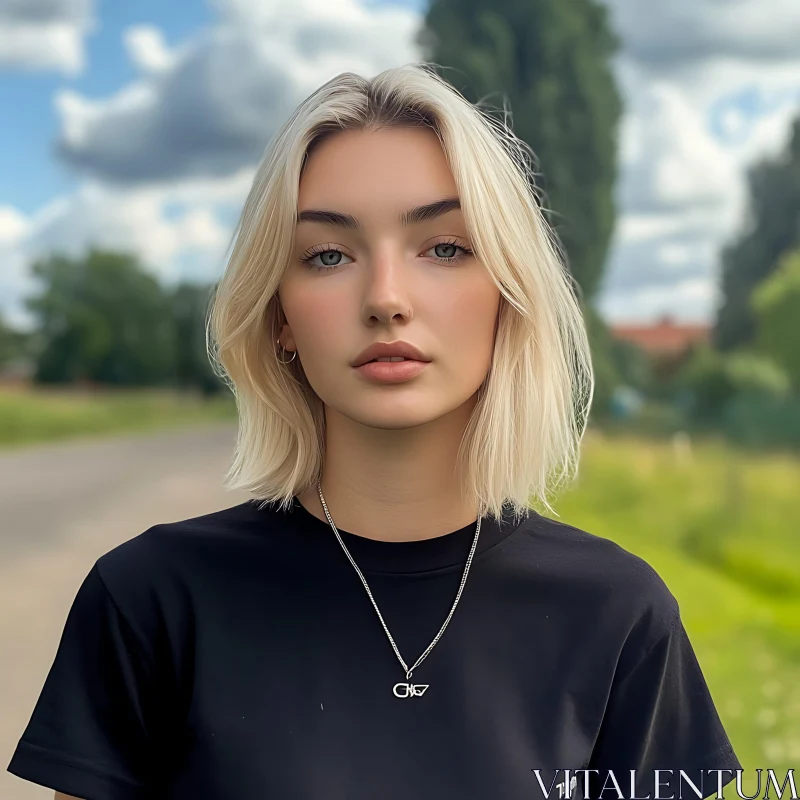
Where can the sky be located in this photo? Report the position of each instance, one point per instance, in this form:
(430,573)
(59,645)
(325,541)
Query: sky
(139,125)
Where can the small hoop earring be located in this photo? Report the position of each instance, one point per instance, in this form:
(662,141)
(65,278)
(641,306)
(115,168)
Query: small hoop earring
(278,341)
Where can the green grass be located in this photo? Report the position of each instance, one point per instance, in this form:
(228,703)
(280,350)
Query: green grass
(722,530)
(27,417)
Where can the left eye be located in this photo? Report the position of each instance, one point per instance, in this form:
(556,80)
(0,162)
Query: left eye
(449,248)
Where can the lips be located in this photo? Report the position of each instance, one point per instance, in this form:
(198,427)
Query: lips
(389,349)
(392,371)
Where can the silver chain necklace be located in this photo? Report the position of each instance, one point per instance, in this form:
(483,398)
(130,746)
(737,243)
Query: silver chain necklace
(404,689)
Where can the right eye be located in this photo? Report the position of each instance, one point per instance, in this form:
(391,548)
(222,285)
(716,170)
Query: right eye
(324,253)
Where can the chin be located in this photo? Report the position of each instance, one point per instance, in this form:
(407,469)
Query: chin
(390,416)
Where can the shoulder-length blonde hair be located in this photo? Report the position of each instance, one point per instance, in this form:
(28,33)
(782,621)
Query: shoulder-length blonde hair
(523,438)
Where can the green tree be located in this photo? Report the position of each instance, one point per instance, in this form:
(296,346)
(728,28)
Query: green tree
(772,228)
(713,380)
(13,343)
(103,319)
(190,305)
(606,371)
(551,59)
(776,306)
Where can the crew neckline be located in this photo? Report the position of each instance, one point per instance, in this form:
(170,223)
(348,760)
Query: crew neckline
(420,555)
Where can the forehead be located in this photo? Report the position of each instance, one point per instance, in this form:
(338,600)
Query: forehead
(353,167)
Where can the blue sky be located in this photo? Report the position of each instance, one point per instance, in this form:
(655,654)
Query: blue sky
(138,125)
(30,174)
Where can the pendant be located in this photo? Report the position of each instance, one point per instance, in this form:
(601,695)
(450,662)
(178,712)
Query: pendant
(410,689)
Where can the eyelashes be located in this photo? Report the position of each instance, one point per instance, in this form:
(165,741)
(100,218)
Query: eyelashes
(308,257)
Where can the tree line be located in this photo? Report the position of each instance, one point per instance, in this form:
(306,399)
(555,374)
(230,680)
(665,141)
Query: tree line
(101,319)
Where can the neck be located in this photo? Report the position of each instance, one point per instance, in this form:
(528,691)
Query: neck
(393,485)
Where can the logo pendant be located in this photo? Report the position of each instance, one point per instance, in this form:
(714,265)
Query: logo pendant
(409,689)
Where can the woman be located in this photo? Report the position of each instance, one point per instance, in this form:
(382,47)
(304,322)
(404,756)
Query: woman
(387,618)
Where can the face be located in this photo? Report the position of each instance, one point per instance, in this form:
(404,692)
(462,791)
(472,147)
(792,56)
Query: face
(383,281)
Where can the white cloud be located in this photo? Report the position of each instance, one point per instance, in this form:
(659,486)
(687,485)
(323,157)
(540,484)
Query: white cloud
(209,107)
(13,225)
(679,254)
(635,227)
(684,31)
(129,220)
(45,34)
(691,300)
(147,49)
(673,162)
(692,128)
(14,275)
(162,225)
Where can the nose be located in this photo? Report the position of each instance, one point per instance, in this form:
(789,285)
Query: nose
(386,294)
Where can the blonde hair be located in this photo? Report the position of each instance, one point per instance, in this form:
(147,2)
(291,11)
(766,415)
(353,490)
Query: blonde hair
(523,438)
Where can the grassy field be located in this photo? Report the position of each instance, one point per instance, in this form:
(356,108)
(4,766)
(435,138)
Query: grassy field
(722,528)
(27,417)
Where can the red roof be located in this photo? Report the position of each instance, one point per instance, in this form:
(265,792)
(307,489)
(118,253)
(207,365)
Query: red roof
(664,337)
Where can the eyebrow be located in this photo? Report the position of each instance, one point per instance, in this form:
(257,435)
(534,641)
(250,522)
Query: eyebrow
(411,217)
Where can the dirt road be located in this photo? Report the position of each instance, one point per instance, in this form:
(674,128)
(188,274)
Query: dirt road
(61,507)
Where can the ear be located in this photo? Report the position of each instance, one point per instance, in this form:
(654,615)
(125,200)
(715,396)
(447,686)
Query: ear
(284,329)
(285,337)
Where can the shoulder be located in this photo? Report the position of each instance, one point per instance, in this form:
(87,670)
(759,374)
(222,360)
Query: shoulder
(599,577)
(154,574)
(165,544)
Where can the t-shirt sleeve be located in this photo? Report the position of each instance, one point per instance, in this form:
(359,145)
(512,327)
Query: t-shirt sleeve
(660,716)
(92,733)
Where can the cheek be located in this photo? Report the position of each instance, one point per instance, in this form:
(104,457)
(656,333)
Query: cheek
(466,318)
(319,319)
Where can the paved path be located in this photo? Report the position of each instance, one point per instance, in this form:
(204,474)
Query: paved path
(61,507)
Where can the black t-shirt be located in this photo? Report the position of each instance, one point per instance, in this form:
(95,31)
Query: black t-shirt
(237,655)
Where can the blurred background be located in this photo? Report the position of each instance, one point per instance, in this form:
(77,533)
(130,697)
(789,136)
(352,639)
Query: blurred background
(668,146)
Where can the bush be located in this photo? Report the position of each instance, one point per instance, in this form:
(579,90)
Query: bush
(754,418)
(710,382)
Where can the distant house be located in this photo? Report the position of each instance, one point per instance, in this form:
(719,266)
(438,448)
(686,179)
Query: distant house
(665,338)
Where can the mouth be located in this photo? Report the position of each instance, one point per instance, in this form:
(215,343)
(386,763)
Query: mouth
(384,350)
(393,371)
